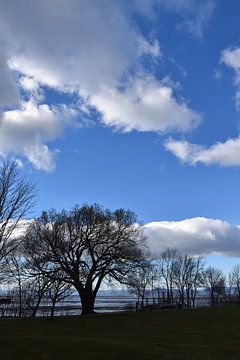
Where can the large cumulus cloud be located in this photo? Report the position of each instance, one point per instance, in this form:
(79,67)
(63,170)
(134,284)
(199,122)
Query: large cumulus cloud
(196,236)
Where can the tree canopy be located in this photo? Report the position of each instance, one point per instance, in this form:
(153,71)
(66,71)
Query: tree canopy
(88,244)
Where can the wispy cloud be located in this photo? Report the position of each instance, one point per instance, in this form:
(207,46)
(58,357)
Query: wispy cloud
(225,154)
(196,15)
(231,58)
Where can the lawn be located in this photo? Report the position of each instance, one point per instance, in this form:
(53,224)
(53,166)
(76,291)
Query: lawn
(167,334)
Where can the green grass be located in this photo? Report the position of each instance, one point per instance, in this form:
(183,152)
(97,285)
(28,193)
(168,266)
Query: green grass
(167,334)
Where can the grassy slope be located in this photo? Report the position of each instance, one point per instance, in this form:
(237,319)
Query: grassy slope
(168,334)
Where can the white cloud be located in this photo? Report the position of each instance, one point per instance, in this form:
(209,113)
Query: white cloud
(25,131)
(224,154)
(144,105)
(29,84)
(8,88)
(86,49)
(150,48)
(70,44)
(196,236)
(231,58)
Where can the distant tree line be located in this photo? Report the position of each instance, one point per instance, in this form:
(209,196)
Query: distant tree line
(178,278)
(79,250)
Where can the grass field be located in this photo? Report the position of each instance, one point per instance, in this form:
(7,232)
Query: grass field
(167,334)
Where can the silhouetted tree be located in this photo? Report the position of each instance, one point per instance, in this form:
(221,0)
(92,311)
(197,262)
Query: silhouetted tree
(214,282)
(86,245)
(33,292)
(165,271)
(16,199)
(58,290)
(186,278)
(234,281)
(16,276)
(140,279)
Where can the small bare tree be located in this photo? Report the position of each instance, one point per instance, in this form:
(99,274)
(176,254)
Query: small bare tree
(16,276)
(180,273)
(33,293)
(214,282)
(195,278)
(16,199)
(165,271)
(58,290)
(139,280)
(234,282)
(187,275)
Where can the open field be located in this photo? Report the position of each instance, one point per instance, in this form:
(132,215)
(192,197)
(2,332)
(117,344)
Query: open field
(168,334)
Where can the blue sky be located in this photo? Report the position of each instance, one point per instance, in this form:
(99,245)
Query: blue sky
(130,104)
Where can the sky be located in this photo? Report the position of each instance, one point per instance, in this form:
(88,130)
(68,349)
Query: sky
(132,104)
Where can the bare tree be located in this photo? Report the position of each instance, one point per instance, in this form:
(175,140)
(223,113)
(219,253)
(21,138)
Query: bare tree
(58,290)
(195,278)
(234,281)
(17,276)
(16,199)
(181,273)
(214,282)
(33,292)
(185,277)
(139,280)
(87,244)
(165,270)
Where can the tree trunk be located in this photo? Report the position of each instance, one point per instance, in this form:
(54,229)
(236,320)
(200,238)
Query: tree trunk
(20,298)
(188,297)
(212,299)
(171,293)
(53,307)
(193,296)
(35,307)
(181,295)
(238,290)
(88,300)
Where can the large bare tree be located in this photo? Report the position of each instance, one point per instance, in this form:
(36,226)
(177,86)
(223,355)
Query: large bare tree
(87,244)
(16,199)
